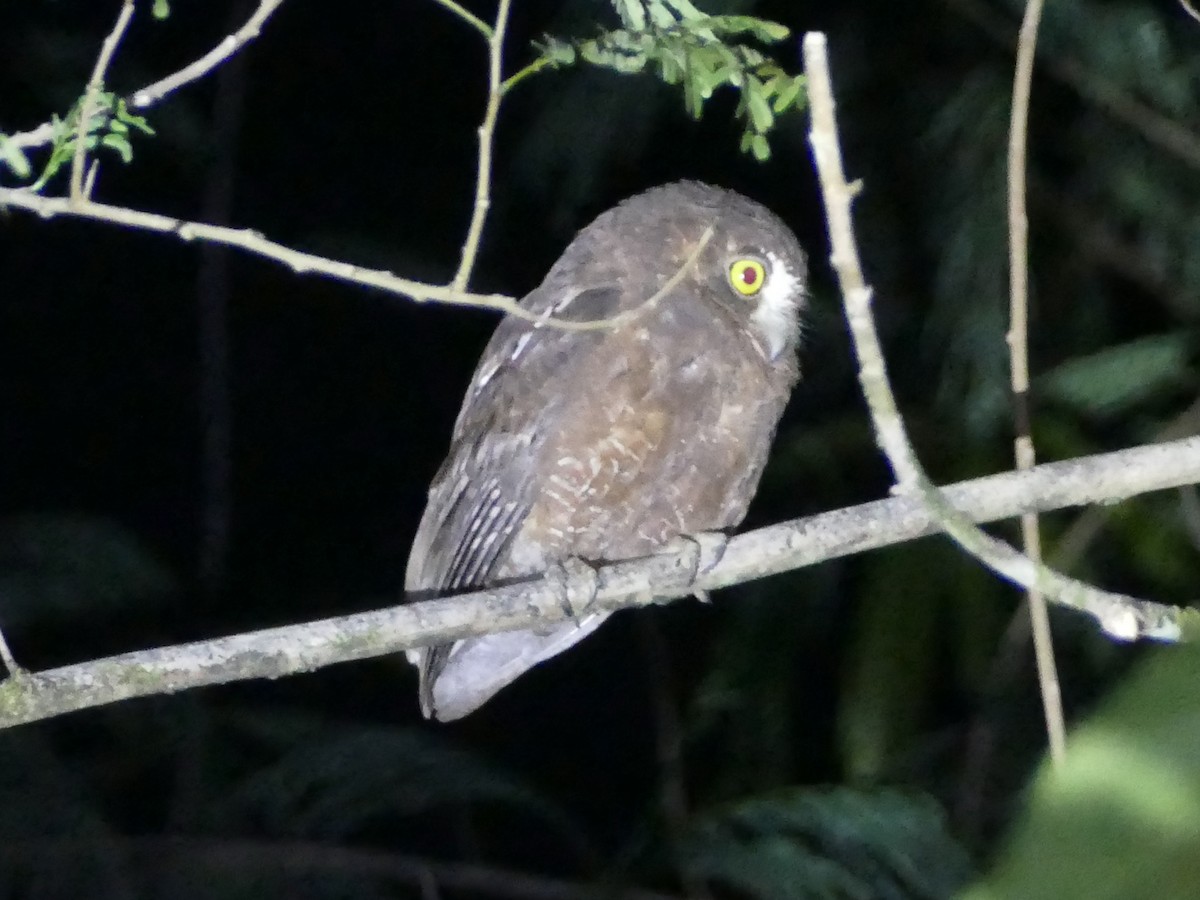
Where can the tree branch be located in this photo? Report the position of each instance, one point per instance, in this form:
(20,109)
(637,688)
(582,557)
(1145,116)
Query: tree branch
(487,131)
(276,652)
(230,45)
(1018,349)
(303,263)
(1119,615)
(470,18)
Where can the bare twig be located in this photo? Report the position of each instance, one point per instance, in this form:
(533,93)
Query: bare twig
(301,648)
(1119,615)
(1189,9)
(6,657)
(532,69)
(1018,348)
(303,263)
(469,17)
(487,132)
(107,49)
(229,45)
(652,301)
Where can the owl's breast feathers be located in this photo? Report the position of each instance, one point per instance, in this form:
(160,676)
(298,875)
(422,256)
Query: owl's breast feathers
(599,445)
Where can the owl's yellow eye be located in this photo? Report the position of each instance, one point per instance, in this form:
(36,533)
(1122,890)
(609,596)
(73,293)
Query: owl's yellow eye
(746,276)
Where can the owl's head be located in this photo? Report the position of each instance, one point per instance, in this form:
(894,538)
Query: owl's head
(751,270)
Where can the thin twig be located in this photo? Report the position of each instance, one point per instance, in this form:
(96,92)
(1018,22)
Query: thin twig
(7,658)
(107,49)
(229,45)
(487,132)
(1116,616)
(302,263)
(469,17)
(1018,348)
(1189,9)
(652,301)
(517,77)
(277,652)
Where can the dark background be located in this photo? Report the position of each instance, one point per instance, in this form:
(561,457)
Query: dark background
(350,131)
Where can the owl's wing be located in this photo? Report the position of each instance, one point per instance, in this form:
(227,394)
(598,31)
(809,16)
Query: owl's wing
(488,484)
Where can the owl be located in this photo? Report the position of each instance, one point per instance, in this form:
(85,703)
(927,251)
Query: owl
(614,442)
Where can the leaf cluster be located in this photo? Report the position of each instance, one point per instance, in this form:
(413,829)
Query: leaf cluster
(682,45)
(841,842)
(110,124)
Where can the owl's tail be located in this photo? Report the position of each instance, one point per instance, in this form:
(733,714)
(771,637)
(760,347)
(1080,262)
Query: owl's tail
(460,679)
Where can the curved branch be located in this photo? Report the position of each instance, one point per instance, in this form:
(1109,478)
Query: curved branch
(275,652)
(303,263)
(230,44)
(1121,616)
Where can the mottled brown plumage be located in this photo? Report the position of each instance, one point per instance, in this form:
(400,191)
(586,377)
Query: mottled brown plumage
(608,444)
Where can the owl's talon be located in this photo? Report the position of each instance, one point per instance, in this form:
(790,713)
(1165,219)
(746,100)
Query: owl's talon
(698,555)
(565,572)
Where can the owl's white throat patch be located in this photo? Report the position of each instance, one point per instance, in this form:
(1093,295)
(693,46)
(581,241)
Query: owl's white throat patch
(776,316)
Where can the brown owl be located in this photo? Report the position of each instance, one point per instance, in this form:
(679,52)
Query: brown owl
(608,444)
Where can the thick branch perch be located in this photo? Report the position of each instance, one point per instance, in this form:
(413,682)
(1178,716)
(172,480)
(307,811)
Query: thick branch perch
(275,652)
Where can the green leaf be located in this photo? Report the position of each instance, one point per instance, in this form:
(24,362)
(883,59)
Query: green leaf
(1111,382)
(1122,818)
(121,144)
(810,842)
(124,116)
(14,157)
(682,8)
(334,786)
(761,117)
(760,29)
(787,94)
(161,9)
(685,46)
(632,13)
